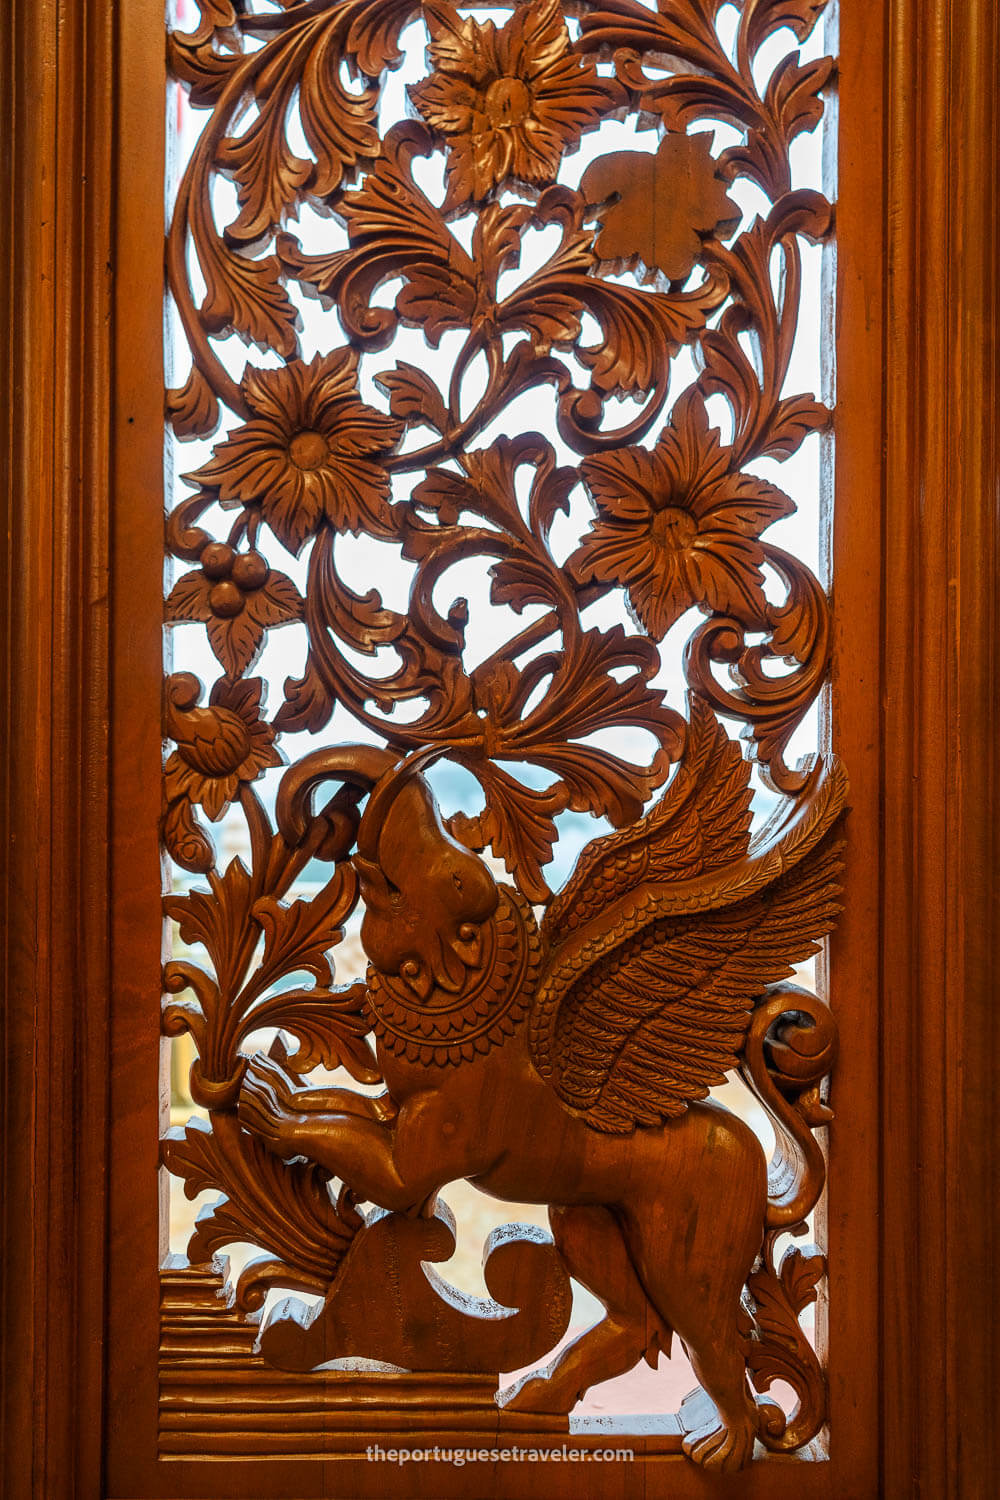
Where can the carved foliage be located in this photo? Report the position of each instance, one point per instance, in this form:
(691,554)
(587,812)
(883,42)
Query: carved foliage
(646,258)
(501,106)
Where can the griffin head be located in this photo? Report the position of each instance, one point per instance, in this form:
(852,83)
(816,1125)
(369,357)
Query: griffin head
(426,897)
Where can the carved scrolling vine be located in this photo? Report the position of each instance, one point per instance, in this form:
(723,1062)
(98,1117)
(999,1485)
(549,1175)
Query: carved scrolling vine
(553,1048)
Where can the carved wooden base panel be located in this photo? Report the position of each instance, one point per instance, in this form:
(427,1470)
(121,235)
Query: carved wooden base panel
(221,1399)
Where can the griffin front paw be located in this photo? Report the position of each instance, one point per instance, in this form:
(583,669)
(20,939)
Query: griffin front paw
(267,1109)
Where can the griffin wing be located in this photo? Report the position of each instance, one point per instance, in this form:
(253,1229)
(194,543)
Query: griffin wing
(701,822)
(645,1000)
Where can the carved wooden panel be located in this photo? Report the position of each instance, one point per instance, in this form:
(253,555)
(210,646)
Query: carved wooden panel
(559,279)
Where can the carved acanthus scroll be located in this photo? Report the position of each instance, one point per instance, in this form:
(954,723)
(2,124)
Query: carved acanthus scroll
(553,1049)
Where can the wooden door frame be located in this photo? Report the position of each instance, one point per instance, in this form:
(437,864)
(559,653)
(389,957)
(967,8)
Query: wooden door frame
(918,211)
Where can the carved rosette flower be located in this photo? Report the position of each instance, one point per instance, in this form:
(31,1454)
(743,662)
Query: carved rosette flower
(309,453)
(509,102)
(218,747)
(677,527)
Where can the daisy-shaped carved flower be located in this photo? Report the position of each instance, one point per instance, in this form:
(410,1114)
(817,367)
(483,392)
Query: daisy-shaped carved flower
(218,747)
(508,102)
(309,453)
(677,526)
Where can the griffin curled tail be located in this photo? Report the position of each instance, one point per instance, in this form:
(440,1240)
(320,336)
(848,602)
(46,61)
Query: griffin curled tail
(789,1049)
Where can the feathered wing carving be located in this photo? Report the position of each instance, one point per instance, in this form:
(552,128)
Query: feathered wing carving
(701,822)
(657,955)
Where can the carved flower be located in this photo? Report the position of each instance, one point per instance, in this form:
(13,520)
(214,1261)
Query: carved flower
(509,102)
(237,596)
(218,747)
(309,452)
(676,526)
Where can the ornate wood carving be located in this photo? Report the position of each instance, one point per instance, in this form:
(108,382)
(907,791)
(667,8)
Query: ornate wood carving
(82,104)
(551,1048)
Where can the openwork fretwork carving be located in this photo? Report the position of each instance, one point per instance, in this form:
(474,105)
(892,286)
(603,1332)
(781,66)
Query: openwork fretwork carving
(555,1048)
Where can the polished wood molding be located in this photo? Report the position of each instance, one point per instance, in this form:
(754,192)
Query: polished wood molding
(941,791)
(56,60)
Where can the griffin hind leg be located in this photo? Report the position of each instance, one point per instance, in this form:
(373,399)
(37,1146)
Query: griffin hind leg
(591,1244)
(706,1318)
(724,1443)
(693,1254)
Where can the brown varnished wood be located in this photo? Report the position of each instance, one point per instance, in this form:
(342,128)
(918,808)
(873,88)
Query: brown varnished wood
(481,1090)
(303,424)
(137,1074)
(941,822)
(524,1275)
(56,383)
(937,1406)
(853,553)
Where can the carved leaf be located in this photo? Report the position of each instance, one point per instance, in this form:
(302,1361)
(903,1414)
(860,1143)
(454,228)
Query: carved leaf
(215,15)
(236,644)
(194,60)
(518,825)
(236,639)
(799,1274)
(795,418)
(584,695)
(792,94)
(661,206)
(394,230)
(642,330)
(218,919)
(373,28)
(186,839)
(683,28)
(769,16)
(308,703)
(248,297)
(790,107)
(413,396)
(330,1026)
(298,936)
(779,1349)
(286,1209)
(267,173)
(339,124)
(192,409)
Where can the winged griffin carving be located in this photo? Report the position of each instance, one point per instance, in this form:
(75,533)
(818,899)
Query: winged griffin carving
(568,1062)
